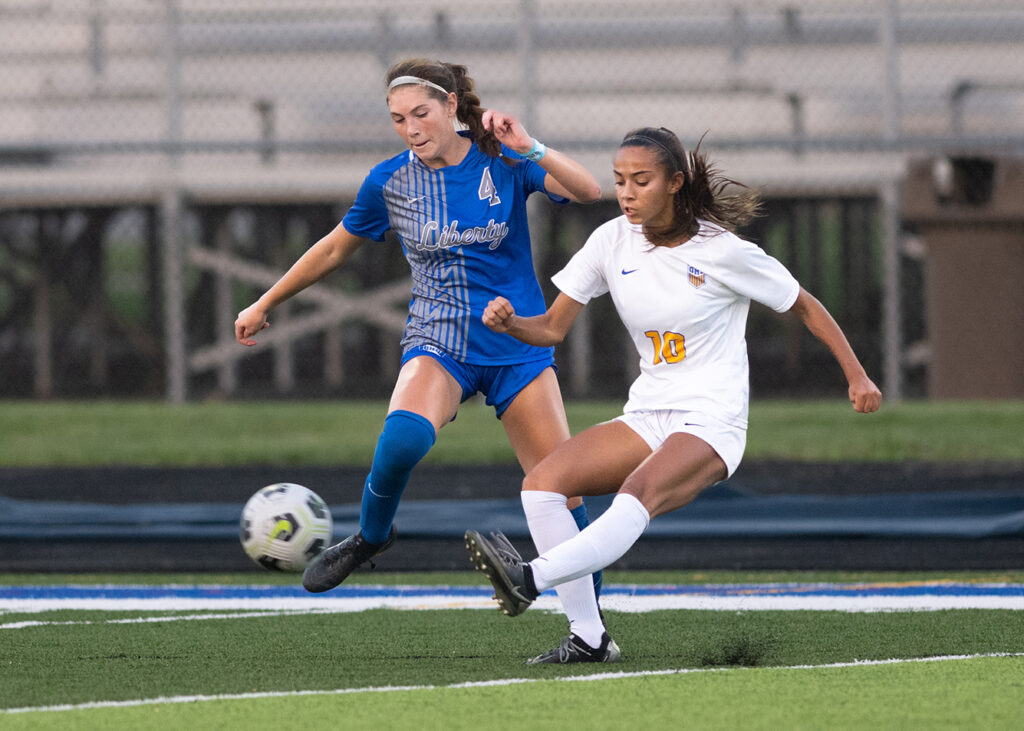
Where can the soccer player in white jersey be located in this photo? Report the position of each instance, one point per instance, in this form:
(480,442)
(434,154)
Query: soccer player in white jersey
(682,284)
(457,202)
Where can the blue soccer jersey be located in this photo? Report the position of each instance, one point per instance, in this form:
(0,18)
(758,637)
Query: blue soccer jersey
(464,231)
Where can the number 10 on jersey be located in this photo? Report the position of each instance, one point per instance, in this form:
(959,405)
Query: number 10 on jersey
(669,346)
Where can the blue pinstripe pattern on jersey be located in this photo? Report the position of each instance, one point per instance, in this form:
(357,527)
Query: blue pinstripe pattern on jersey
(416,195)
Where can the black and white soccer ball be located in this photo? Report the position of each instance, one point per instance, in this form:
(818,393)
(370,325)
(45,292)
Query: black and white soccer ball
(284,526)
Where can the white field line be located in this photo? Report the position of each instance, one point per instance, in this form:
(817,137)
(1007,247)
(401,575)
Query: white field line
(781,597)
(613,602)
(217,610)
(167,618)
(920,603)
(170,700)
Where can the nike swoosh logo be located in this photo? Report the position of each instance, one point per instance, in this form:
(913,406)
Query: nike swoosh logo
(628,271)
(413,201)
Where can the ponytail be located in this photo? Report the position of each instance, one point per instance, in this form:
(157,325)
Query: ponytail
(470,113)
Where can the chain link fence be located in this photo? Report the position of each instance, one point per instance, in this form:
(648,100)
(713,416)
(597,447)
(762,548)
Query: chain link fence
(163,161)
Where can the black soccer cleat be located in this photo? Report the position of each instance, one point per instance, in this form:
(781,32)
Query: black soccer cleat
(573,649)
(501,563)
(334,564)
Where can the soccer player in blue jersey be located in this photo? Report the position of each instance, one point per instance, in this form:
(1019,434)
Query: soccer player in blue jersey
(457,201)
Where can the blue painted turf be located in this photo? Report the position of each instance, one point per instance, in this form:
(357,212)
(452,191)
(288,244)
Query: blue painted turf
(897,589)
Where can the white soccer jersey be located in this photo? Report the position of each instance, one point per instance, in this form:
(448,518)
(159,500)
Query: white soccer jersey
(686,310)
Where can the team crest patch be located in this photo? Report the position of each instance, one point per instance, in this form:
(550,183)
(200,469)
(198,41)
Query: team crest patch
(696,276)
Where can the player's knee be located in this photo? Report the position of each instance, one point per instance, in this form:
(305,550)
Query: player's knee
(538,480)
(660,498)
(643,489)
(404,441)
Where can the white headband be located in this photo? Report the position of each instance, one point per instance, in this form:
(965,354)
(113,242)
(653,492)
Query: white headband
(403,80)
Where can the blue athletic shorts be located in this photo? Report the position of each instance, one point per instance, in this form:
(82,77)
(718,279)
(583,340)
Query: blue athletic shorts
(499,384)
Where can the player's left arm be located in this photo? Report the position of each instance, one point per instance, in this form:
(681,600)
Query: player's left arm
(565,177)
(864,394)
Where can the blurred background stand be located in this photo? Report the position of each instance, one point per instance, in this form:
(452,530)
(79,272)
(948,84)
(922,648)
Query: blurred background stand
(162,162)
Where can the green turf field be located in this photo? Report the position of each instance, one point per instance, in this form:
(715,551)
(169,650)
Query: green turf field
(333,433)
(985,695)
(463,669)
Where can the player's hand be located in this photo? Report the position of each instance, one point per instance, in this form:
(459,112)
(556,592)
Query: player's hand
(508,130)
(250,321)
(498,314)
(865,396)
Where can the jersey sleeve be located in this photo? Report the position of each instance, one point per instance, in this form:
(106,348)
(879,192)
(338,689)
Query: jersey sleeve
(368,216)
(749,270)
(583,278)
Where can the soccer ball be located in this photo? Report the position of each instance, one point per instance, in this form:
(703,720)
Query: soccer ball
(284,526)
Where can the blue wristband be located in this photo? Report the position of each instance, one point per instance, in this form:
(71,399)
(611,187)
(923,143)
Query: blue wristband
(536,152)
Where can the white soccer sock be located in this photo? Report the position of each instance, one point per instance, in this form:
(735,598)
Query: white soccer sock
(551,524)
(603,542)
(549,519)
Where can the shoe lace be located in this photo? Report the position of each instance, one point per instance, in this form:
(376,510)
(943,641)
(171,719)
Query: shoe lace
(506,551)
(570,647)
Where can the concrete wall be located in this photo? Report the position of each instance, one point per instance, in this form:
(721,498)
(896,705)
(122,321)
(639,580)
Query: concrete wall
(974,274)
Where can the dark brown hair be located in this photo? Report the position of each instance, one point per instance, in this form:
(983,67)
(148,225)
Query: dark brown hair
(702,195)
(453,77)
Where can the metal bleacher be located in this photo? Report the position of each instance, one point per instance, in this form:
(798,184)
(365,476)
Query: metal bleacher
(108,95)
(186,107)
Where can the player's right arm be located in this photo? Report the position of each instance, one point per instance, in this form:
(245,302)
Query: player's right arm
(322,258)
(543,330)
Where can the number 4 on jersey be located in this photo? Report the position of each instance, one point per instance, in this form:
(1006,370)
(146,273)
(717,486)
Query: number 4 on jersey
(487,189)
(670,347)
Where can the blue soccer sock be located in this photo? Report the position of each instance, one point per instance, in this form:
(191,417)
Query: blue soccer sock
(579,514)
(404,441)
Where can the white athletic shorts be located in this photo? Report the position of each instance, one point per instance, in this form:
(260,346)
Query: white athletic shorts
(654,427)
